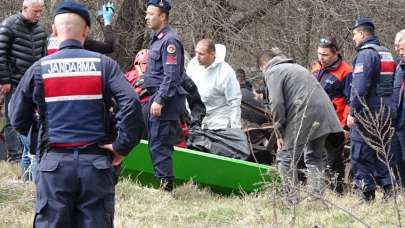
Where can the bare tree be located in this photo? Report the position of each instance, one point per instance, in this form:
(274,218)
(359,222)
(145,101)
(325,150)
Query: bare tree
(131,35)
(245,26)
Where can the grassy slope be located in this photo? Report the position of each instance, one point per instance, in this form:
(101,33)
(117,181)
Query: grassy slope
(139,206)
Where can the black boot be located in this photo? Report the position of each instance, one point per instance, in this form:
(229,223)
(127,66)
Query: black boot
(166,185)
(339,188)
(388,192)
(368,196)
(336,182)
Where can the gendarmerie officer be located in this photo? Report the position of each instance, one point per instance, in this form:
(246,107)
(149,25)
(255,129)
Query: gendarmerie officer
(72,89)
(163,79)
(373,76)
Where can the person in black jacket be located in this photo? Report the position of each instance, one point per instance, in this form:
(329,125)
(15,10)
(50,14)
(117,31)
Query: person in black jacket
(104,47)
(197,107)
(105,18)
(22,42)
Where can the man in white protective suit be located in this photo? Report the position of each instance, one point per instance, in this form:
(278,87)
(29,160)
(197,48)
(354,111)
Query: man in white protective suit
(217,84)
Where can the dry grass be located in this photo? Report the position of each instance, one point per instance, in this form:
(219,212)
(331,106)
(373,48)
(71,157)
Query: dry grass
(138,206)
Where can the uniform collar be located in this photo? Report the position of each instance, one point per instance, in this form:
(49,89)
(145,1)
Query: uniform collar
(70,44)
(402,64)
(162,33)
(369,40)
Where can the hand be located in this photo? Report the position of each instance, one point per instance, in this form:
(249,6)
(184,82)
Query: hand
(156,109)
(5,89)
(108,12)
(350,121)
(280,143)
(347,136)
(117,159)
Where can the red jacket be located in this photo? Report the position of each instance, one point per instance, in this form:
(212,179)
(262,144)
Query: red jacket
(335,80)
(135,77)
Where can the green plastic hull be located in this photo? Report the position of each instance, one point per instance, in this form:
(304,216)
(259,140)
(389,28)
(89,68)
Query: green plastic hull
(221,174)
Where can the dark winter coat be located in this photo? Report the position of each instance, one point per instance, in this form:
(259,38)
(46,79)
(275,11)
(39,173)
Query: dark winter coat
(21,44)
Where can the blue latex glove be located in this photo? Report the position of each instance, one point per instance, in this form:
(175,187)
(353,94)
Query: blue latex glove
(108,12)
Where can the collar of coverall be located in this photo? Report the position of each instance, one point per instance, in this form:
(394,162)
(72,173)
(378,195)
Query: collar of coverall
(215,63)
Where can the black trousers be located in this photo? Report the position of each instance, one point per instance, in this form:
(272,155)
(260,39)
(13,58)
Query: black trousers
(335,144)
(75,190)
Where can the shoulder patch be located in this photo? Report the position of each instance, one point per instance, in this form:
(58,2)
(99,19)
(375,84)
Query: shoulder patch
(171,59)
(171,49)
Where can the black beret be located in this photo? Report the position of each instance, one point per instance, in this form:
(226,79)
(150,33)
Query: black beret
(363,22)
(74,7)
(163,4)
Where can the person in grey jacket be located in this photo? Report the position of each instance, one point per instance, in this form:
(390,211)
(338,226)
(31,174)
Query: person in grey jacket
(303,117)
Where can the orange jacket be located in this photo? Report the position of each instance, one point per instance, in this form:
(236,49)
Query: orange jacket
(335,80)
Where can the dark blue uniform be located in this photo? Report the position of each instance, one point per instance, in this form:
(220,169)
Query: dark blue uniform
(163,80)
(371,84)
(71,91)
(398,141)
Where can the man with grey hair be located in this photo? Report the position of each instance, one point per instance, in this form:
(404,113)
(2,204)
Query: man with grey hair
(398,142)
(398,37)
(22,42)
(303,117)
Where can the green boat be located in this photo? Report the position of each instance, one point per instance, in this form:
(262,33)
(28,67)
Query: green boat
(221,174)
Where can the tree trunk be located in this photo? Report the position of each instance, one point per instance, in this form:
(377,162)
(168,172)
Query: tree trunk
(308,33)
(129,32)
